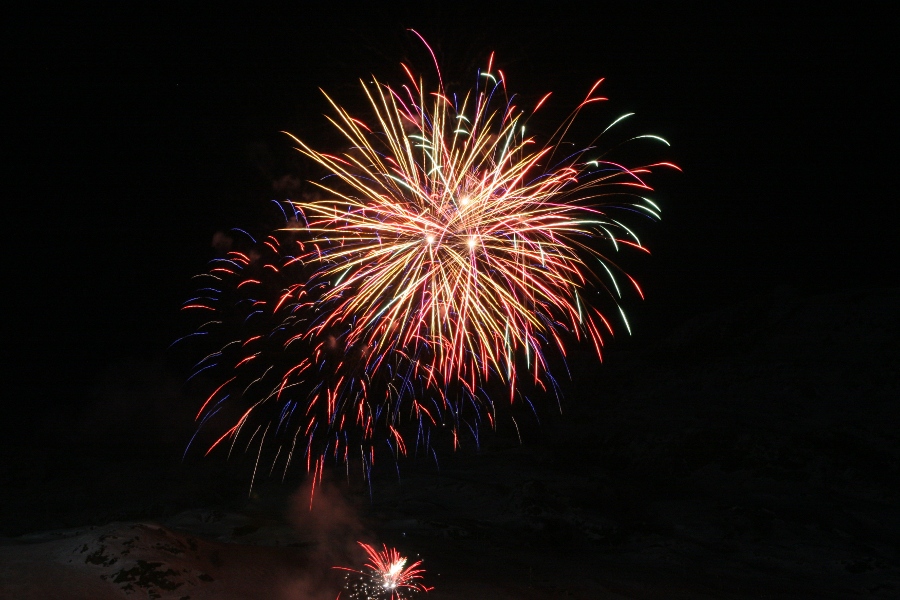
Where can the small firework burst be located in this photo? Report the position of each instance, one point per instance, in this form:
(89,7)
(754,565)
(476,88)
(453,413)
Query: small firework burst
(386,576)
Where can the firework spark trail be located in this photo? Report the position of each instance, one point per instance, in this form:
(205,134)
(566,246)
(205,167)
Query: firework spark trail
(448,252)
(387,577)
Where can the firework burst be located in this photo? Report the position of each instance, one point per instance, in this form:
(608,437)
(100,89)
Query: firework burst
(386,576)
(445,254)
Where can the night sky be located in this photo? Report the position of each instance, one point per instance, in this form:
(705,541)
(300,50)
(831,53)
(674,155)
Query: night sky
(131,141)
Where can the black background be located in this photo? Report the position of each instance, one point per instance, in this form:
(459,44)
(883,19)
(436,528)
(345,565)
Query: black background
(743,439)
(132,138)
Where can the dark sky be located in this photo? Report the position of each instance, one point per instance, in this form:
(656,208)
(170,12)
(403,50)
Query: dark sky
(130,141)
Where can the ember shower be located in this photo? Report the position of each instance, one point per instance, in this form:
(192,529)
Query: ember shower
(386,576)
(445,253)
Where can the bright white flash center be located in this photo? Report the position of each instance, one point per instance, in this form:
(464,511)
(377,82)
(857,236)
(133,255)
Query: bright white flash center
(429,238)
(464,201)
(472,243)
(395,568)
(390,576)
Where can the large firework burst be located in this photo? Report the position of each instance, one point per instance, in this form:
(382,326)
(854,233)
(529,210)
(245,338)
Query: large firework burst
(446,253)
